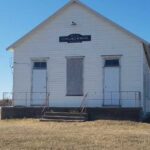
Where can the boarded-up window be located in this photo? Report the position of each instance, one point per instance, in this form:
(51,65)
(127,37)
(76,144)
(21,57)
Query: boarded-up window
(74,76)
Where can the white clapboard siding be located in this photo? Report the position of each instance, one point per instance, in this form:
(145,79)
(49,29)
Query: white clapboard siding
(146,85)
(107,39)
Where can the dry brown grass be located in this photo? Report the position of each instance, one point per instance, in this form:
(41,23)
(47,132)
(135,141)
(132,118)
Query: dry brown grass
(99,135)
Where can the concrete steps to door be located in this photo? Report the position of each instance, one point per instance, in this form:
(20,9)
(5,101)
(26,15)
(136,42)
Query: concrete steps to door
(64,117)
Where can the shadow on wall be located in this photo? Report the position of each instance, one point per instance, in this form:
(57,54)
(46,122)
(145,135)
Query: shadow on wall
(146,118)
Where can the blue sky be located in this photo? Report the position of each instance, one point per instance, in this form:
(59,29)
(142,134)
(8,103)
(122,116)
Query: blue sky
(17,17)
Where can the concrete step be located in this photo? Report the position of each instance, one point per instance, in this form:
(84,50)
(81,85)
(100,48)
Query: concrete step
(64,116)
(60,120)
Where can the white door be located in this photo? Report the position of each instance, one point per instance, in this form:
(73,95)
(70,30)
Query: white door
(111,85)
(39,85)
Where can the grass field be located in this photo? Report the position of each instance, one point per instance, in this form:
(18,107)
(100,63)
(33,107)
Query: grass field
(99,135)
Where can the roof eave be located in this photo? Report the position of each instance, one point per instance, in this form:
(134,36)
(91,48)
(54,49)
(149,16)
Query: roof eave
(13,45)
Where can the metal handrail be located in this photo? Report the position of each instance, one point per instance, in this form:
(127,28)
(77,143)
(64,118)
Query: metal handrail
(47,103)
(83,103)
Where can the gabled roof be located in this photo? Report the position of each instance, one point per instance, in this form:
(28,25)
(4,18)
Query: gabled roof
(83,5)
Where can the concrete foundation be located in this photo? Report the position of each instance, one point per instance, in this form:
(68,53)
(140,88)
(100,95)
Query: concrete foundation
(133,114)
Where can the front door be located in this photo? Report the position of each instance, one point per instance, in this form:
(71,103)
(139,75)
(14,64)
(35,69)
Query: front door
(111,82)
(39,83)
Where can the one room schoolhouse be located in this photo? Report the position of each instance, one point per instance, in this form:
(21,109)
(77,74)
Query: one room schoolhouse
(77,58)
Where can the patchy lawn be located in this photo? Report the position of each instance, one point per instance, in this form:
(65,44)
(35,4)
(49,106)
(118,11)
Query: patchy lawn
(99,135)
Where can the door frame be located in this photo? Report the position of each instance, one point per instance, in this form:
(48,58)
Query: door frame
(110,57)
(33,60)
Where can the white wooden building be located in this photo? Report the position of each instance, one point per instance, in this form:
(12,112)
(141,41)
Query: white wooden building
(79,54)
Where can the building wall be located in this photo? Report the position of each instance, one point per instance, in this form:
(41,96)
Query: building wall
(146,85)
(106,40)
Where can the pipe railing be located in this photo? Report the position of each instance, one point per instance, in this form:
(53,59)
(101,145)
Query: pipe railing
(90,99)
(84,103)
(26,98)
(119,98)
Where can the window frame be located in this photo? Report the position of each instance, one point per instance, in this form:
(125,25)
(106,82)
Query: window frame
(111,57)
(109,64)
(40,65)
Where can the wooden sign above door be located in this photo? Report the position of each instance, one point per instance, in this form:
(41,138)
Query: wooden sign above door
(75,38)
